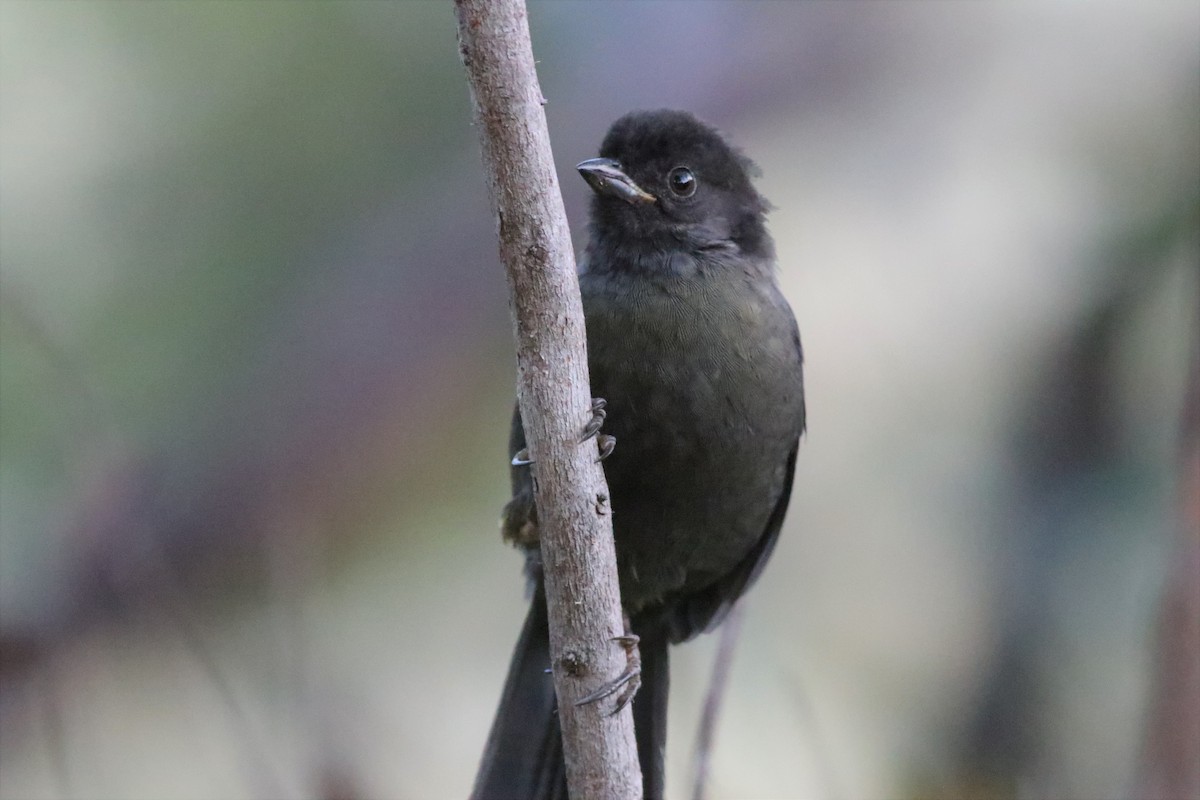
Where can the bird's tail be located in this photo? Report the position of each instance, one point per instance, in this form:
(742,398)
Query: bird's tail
(523,759)
(650,707)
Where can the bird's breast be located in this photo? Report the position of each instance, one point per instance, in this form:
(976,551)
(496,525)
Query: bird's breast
(698,356)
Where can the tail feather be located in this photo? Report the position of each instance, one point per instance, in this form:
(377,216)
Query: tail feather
(523,758)
(650,708)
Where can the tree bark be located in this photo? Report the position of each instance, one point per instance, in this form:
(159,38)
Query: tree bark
(574,515)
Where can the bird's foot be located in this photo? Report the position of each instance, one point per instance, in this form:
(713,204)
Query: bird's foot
(604,442)
(626,684)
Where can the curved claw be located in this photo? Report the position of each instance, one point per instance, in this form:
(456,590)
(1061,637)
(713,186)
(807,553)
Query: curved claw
(627,694)
(522,459)
(607,444)
(633,671)
(597,420)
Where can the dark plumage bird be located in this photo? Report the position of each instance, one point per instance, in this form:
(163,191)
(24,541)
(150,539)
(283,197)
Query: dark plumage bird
(698,356)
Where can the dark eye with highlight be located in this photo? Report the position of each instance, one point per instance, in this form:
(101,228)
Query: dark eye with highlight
(682,182)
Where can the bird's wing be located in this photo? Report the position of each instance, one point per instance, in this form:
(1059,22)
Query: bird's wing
(704,610)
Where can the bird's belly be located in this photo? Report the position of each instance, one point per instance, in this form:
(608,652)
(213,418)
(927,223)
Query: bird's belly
(699,462)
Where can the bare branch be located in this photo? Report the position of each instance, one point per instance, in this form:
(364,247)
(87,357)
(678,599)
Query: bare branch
(572,498)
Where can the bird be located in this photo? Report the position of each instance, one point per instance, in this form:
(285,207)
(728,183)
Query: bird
(694,355)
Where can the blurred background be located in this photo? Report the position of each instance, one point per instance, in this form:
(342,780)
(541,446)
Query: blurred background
(256,376)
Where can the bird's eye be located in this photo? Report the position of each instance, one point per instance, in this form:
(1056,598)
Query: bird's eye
(682,182)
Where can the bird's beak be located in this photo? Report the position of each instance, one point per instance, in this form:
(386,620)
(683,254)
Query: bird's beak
(606,177)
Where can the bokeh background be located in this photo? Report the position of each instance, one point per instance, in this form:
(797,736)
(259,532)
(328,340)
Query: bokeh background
(256,374)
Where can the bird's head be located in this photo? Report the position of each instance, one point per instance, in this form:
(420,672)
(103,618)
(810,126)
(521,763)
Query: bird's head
(666,181)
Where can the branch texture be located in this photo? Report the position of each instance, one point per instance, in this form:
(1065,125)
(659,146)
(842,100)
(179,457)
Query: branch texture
(574,516)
